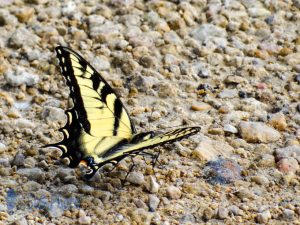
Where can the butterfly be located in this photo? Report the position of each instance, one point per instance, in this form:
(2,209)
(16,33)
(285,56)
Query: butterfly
(99,129)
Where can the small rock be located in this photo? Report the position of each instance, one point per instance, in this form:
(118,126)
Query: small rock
(153,203)
(136,178)
(31,186)
(288,214)
(167,90)
(84,220)
(21,221)
(261,180)
(3,147)
(210,150)
(155,116)
(23,36)
(21,76)
(55,210)
(53,114)
(230,129)
(101,63)
(258,12)
(235,210)
(68,189)
(208,213)
(222,213)
(245,194)
(140,216)
(278,121)
(258,132)
(32,174)
(207,32)
(288,165)
(187,219)
(6,18)
(29,162)
(152,186)
(18,160)
(222,171)
(201,107)
(4,162)
(24,123)
(25,14)
(267,160)
(68,8)
(228,93)
(289,151)
(173,192)
(264,216)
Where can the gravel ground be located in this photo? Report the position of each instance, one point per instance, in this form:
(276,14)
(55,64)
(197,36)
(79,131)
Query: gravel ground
(231,67)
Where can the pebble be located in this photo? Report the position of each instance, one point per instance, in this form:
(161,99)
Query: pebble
(4,162)
(278,121)
(21,76)
(260,179)
(222,171)
(288,214)
(210,150)
(230,129)
(35,174)
(55,210)
(136,178)
(173,192)
(53,114)
(23,36)
(258,12)
(6,18)
(3,147)
(289,151)
(101,63)
(223,213)
(201,107)
(29,162)
(207,31)
(153,202)
(83,218)
(258,132)
(18,159)
(228,93)
(152,186)
(288,165)
(31,186)
(266,160)
(263,217)
(68,189)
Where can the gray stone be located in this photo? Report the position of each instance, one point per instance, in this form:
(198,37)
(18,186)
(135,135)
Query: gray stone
(53,114)
(23,36)
(68,189)
(207,31)
(4,162)
(153,202)
(21,76)
(230,129)
(228,93)
(32,174)
(173,192)
(258,132)
(136,178)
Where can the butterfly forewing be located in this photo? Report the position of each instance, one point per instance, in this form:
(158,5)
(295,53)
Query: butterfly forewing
(94,100)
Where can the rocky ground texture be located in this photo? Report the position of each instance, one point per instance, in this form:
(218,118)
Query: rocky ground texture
(231,67)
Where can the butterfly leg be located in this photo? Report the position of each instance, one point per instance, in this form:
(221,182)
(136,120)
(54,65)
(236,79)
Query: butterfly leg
(130,169)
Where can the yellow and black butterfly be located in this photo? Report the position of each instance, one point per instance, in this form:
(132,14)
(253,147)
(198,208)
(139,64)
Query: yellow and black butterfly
(99,129)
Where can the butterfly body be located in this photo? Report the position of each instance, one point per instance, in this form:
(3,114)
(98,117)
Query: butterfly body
(99,129)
